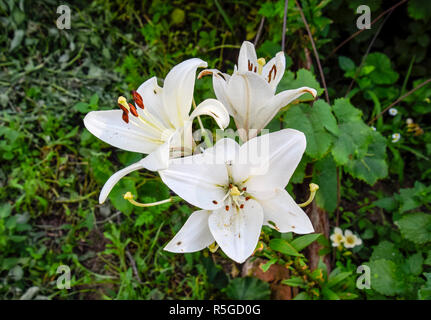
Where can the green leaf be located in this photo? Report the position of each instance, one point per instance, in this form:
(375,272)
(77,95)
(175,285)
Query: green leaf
(353,137)
(248,288)
(346,63)
(284,246)
(304,241)
(117,193)
(373,165)
(267,265)
(316,122)
(337,278)
(383,72)
(386,250)
(416,227)
(413,264)
(304,78)
(386,277)
(294,282)
(325,175)
(419,9)
(329,294)
(302,296)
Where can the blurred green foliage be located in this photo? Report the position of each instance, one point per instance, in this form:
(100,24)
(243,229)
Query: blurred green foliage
(52,168)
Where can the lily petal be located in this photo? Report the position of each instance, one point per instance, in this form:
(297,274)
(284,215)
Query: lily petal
(155,161)
(195,234)
(151,94)
(197,179)
(285,214)
(247,57)
(220,82)
(273,71)
(248,94)
(112,181)
(237,231)
(109,127)
(178,90)
(213,108)
(280,154)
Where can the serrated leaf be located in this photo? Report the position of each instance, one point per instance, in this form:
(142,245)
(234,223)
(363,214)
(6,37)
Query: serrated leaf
(325,175)
(416,227)
(304,78)
(316,123)
(383,72)
(373,165)
(386,250)
(386,277)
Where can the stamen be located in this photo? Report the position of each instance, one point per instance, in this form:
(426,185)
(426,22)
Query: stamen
(213,247)
(215,202)
(244,189)
(261,62)
(125,117)
(129,197)
(227,208)
(255,69)
(247,198)
(234,191)
(250,66)
(133,110)
(138,99)
(274,68)
(242,205)
(313,189)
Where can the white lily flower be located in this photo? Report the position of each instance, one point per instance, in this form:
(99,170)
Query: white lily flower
(337,237)
(159,124)
(351,240)
(238,195)
(249,94)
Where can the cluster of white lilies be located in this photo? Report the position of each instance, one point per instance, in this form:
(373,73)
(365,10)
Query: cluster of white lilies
(238,188)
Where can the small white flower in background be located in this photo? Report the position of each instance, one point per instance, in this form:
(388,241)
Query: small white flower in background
(235,199)
(158,124)
(374,128)
(249,93)
(337,237)
(393,112)
(396,137)
(409,121)
(351,240)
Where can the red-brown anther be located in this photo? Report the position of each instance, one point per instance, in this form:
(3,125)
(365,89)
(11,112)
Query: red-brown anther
(123,108)
(133,110)
(247,198)
(250,66)
(243,189)
(230,186)
(138,99)
(125,117)
(242,206)
(227,208)
(274,68)
(255,69)
(215,202)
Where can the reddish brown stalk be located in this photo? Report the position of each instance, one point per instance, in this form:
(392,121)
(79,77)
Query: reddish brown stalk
(316,54)
(359,31)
